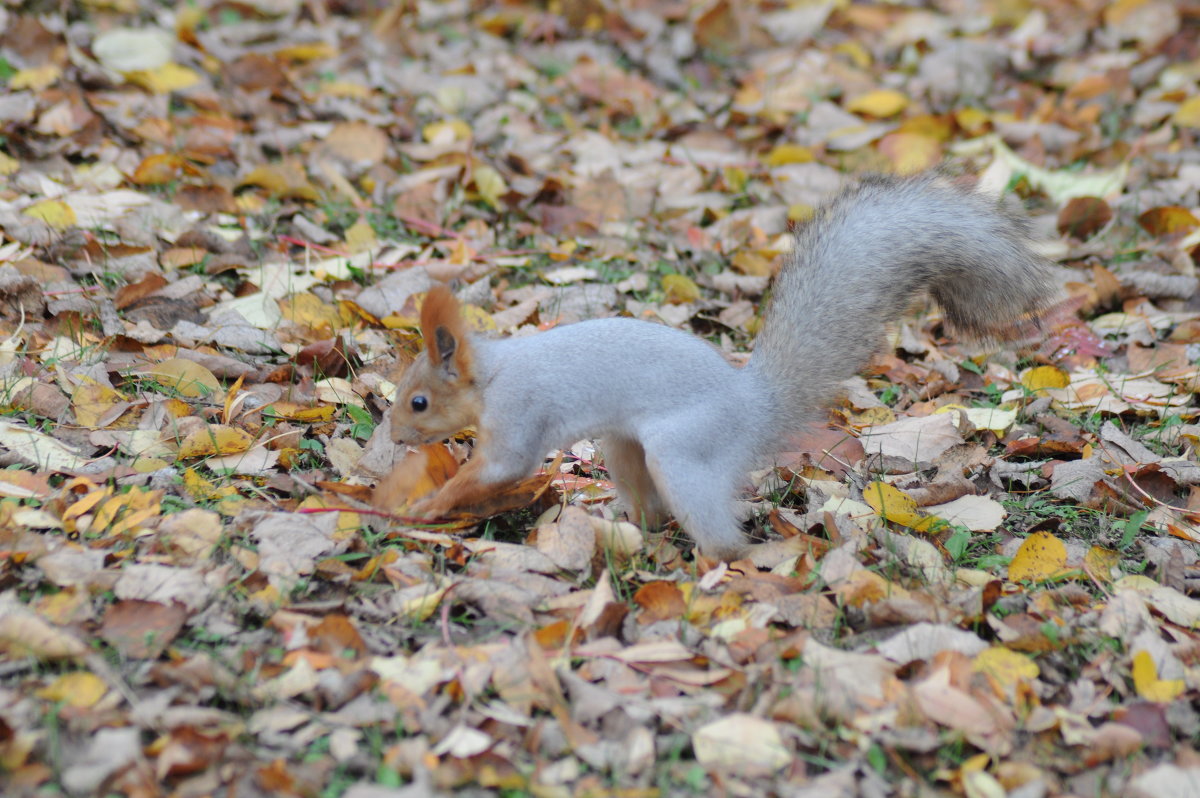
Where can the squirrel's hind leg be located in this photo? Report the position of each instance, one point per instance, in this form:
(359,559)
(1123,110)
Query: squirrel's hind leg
(700,494)
(626,462)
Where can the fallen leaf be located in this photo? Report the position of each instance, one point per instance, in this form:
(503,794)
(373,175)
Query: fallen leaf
(1168,220)
(740,742)
(80,689)
(914,439)
(55,213)
(34,448)
(878,103)
(976,513)
(659,601)
(1147,683)
(896,506)
(1006,666)
(1041,556)
(215,439)
(1042,377)
(184,376)
(680,289)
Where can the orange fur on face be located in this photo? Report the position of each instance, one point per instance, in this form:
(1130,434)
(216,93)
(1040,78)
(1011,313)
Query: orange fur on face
(442,374)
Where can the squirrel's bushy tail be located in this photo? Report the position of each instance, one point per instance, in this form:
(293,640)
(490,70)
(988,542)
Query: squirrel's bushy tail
(862,260)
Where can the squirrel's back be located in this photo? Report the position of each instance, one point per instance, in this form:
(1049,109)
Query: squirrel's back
(859,263)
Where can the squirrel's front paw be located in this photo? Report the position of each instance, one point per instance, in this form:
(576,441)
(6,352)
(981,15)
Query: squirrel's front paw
(428,508)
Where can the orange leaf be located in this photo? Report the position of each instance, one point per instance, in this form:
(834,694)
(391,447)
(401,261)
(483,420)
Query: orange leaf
(215,439)
(158,170)
(1168,220)
(660,601)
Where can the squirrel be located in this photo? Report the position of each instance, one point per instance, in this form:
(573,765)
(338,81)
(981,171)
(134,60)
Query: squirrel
(679,425)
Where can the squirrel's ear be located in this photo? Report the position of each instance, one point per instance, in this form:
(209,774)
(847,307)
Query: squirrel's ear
(444,332)
(444,343)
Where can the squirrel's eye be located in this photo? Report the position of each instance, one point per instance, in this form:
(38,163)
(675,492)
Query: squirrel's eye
(419,404)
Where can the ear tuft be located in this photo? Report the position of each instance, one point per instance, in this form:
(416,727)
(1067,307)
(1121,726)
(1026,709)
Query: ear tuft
(443,329)
(444,343)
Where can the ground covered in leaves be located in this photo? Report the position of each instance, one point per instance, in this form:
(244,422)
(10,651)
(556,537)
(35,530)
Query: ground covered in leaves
(217,221)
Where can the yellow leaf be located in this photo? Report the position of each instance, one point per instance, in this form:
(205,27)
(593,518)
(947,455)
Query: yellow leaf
(187,377)
(1188,114)
(975,764)
(294,411)
(361,237)
(1006,666)
(800,212)
(1040,378)
(36,78)
(858,55)
(55,213)
(349,523)
(81,689)
(268,177)
(215,439)
(125,511)
(785,154)
(748,262)
(1040,557)
(1147,683)
(938,128)
(309,310)
(419,609)
(973,121)
(92,402)
(911,152)
(736,178)
(1100,562)
(446,132)
(314,51)
(490,185)
(164,79)
(873,417)
(229,503)
(1136,582)
(268,598)
(880,103)
(680,289)
(85,504)
(460,253)
(231,396)
(345,88)
(8,164)
(397,322)
(282,180)
(477,318)
(896,506)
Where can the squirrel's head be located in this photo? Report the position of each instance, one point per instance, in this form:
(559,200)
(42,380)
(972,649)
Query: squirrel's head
(437,396)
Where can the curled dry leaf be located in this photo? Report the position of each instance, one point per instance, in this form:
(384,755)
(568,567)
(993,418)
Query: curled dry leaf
(917,440)
(37,449)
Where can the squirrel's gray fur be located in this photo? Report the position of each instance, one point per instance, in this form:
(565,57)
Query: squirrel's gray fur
(866,256)
(680,425)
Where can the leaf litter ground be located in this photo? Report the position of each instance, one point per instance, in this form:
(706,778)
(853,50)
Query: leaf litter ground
(217,223)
